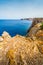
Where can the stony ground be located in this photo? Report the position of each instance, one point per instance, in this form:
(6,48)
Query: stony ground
(20,50)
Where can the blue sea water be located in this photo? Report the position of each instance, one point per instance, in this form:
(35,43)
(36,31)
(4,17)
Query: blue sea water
(14,27)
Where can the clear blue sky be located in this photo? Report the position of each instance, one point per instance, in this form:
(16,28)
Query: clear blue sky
(15,9)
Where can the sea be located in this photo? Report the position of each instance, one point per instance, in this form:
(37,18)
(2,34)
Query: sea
(14,27)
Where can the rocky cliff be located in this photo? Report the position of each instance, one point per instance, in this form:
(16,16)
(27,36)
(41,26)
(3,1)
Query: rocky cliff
(34,20)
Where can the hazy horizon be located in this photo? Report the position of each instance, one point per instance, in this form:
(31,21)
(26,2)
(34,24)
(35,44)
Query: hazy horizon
(17,9)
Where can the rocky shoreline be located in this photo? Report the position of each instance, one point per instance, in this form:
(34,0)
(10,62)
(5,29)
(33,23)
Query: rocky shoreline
(22,50)
(34,20)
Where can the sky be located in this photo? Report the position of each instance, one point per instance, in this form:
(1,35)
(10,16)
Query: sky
(17,9)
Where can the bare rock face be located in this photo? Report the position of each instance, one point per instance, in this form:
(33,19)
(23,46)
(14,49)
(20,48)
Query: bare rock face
(4,46)
(36,21)
(35,31)
(6,36)
(24,52)
(20,50)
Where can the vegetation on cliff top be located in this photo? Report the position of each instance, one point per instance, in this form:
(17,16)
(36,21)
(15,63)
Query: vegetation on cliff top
(42,25)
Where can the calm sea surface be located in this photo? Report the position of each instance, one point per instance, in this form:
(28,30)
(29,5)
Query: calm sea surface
(14,27)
